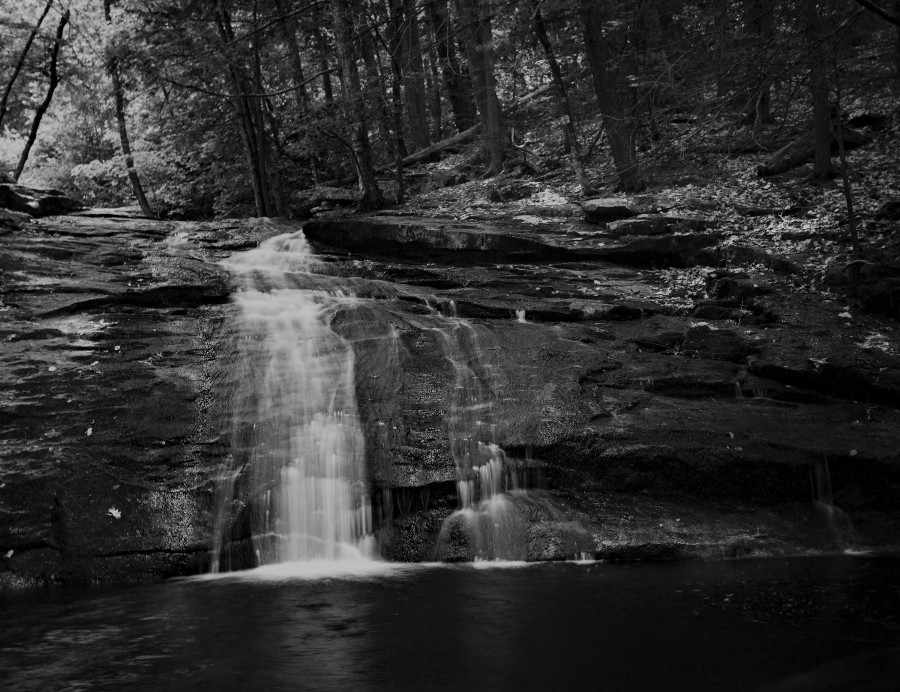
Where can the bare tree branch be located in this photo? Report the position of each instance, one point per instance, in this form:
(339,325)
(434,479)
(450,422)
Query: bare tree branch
(872,7)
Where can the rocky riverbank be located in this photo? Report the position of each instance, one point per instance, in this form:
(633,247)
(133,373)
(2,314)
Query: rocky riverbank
(653,423)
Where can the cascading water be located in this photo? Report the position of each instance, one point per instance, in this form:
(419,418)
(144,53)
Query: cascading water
(296,481)
(486,479)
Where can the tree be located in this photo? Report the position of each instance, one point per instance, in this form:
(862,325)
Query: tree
(624,158)
(476,31)
(760,20)
(45,104)
(818,87)
(4,100)
(370,194)
(564,110)
(248,111)
(455,83)
(112,67)
(413,73)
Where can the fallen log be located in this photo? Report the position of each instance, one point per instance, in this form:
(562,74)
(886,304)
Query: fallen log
(803,149)
(742,146)
(456,140)
(468,135)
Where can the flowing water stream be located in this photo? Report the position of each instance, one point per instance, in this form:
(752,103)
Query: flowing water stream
(296,476)
(495,492)
(295,487)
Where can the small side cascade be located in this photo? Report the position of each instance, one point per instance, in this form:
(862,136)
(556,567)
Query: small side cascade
(294,489)
(837,523)
(493,491)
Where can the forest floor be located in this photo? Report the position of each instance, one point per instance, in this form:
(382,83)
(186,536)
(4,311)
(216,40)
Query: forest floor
(802,223)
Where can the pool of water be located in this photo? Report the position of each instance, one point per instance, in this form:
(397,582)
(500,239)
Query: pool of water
(796,624)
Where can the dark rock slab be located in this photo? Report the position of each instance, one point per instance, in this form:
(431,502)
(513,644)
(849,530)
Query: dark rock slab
(744,255)
(645,435)
(755,210)
(604,210)
(36,201)
(889,210)
(657,224)
(112,213)
(681,250)
(12,220)
(740,287)
(718,344)
(450,241)
(112,413)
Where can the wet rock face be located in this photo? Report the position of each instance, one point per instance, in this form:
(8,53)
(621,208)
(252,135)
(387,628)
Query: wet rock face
(716,413)
(36,201)
(113,368)
(650,429)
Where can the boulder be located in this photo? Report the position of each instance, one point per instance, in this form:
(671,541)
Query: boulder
(12,220)
(718,344)
(725,285)
(676,250)
(606,209)
(512,191)
(305,202)
(874,121)
(36,201)
(889,210)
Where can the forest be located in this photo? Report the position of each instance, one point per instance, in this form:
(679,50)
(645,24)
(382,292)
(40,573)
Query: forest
(370,282)
(224,108)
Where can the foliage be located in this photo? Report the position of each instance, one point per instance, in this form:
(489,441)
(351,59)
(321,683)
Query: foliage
(234,106)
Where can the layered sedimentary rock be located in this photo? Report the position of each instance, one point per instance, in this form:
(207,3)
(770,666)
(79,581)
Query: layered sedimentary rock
(741,419)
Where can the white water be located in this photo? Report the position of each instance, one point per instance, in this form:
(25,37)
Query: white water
(485,479)
(298,464)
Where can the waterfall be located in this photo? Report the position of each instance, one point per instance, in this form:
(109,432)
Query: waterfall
(295,487)
(486,480)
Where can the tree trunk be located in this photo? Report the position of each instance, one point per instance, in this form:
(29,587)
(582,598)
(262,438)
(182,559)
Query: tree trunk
(45,104)
(818,86)
(288,28)
(395,23)
(414,77)
(21,62)
(370,194)
(477,36)
(455,83)
(564,110)
(897,45)
(243,109)
(112,66)
(262,144)
(374,91)
(327,92)
(845,172)
(432,86)
(803,149)
(758,16)
(624,158)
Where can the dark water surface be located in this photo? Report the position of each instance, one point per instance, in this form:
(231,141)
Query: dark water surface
(684,626)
